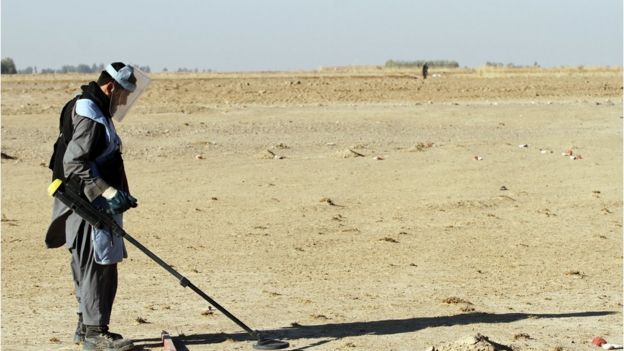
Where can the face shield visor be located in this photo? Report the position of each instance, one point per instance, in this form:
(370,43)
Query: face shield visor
(131,82)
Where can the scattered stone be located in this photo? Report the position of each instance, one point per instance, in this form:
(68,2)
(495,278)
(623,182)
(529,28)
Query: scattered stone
(141,320)
(420,146)
(523,146)
(524,336)
(329,201)
(266,154)
(467,308)
(455,300)
(503,188)
(338,218)
(378,158)
(199,157)
(575,273)
(568,152)
(390,240)
(319,316)
(281,146)
(348,153)
(477,158)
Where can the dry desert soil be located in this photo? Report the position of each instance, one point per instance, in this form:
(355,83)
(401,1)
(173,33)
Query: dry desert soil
(340,210)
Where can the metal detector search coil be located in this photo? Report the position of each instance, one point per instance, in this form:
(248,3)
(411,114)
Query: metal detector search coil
(99,219)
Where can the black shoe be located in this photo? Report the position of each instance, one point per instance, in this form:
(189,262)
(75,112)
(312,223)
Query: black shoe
(98,338)
(79,335)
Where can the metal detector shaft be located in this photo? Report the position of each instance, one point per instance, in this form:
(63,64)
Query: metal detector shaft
(187,283)
(100,220)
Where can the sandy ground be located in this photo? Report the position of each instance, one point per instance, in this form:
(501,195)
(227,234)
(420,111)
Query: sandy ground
(250,186)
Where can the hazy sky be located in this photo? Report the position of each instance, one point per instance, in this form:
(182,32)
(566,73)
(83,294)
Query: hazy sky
(235,35)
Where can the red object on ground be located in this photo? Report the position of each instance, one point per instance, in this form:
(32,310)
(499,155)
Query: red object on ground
(598,341)
(168,343)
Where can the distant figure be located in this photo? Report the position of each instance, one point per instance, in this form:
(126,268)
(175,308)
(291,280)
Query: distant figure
(425,70)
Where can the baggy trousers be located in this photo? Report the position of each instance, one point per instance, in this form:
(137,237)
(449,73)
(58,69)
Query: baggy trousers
(95,284)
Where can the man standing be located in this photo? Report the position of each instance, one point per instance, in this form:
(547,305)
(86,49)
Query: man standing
(88,151)
(425,70)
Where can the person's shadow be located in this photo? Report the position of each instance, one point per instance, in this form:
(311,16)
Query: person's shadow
(334,331)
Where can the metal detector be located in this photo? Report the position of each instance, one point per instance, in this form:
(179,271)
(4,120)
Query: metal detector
(71,196)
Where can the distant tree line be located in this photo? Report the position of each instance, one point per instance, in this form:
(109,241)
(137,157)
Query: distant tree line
(8,67)
(508,65)
(420,63)
(189,70)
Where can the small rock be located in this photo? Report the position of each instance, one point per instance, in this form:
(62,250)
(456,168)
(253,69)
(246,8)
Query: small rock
(266,154)
(281,146)
(348,153)
(328,201)
(522,336)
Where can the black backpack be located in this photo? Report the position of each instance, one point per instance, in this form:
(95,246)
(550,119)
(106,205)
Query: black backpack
(66,130)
